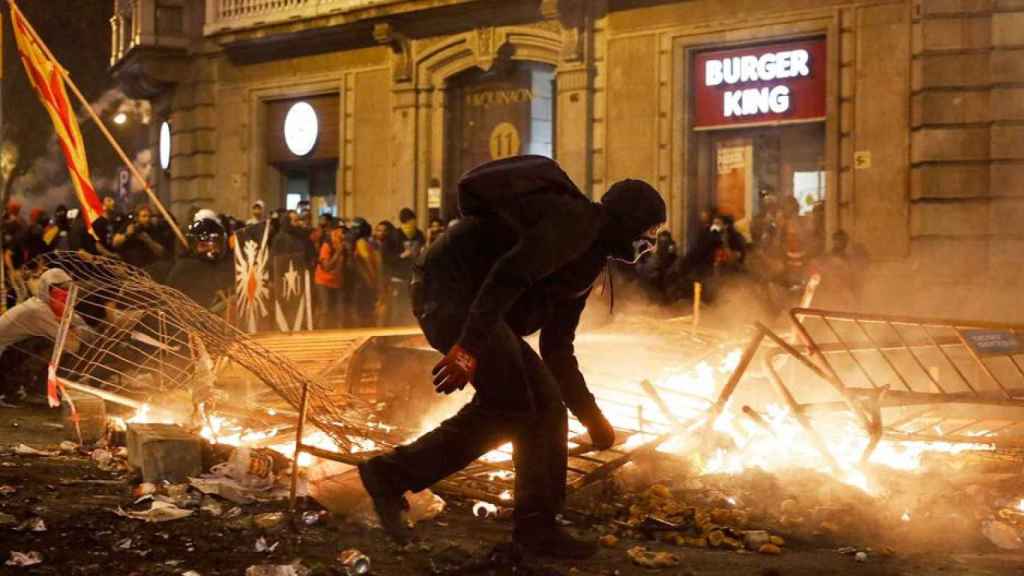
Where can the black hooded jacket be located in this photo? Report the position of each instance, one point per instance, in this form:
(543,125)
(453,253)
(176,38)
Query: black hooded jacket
(527,251)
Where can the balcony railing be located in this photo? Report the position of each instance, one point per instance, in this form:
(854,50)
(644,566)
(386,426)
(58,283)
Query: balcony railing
(149,23)
(225,15)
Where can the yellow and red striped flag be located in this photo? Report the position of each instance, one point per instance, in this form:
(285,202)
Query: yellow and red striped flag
(45,75)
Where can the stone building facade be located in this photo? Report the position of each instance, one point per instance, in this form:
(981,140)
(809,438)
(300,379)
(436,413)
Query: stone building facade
(915,148)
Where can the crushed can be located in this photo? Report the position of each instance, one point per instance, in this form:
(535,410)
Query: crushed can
(354,562)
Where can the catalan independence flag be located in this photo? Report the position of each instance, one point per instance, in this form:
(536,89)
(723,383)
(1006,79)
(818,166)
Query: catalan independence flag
(45,74)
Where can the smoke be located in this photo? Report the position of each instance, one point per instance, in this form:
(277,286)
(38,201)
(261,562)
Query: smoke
(45,184)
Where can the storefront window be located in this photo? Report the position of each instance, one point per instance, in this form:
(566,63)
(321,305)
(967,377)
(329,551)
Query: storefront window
(759,132)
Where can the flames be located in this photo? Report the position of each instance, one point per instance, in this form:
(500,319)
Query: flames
(775,441)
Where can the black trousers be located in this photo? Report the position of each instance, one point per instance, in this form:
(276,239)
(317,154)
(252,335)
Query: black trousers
(517,399)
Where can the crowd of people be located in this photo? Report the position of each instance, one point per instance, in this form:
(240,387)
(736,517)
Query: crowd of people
(778,251)
(358,271)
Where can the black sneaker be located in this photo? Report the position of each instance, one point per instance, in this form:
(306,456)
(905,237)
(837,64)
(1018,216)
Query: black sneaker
(553,542)
(387,503)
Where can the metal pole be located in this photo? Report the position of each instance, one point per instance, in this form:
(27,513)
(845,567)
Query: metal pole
(3,180)
(303,405)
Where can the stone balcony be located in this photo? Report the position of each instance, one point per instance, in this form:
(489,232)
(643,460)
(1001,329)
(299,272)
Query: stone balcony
(235,15)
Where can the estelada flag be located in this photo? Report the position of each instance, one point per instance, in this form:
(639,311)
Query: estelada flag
(45,75)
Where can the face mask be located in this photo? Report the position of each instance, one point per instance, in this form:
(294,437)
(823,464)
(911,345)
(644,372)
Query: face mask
(641,248)
(58,301)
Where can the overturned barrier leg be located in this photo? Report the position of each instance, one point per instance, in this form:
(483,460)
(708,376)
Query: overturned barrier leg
(734,379)
(798,412)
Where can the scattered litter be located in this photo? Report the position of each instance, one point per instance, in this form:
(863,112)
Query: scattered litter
(424,505)
(295,569)
(7,520)
(847,550)
(24,450)
(4,403)
(7,490)
(262,546)
(354,562)
(313,517)
(212,507)
(191,573)
(861,556)
(144,489)
(102,457)
(770,550)
(158,512)
(253,469)
(68,446)
(236,491)
(608,540)
(25,558)
(269,520)
(125,544)
(233,513)
(1002,535)
(31,525)
(484,510)
(643,557)
(755,539)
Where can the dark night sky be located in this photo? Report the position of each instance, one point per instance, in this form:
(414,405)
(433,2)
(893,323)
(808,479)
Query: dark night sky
(78,34)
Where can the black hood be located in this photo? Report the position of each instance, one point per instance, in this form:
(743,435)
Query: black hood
(633,208)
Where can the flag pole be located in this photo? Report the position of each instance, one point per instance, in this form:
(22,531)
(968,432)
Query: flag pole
(3,180)
(106,132)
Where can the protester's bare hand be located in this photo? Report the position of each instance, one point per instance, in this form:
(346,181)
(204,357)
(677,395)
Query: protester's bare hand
(454,371)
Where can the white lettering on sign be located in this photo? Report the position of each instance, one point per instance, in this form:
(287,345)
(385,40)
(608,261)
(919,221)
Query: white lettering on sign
(756,101)
(770,66)
(767,67)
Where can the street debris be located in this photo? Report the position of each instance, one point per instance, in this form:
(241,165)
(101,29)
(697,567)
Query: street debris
(25,558)
(641,556)
(158,512)
(31,525)
(68,446)
(7,520)
(25,450)
(295,569)
(263,546)
(269,520)
(7,490)
(312,517)
(354,562)
(1002,535)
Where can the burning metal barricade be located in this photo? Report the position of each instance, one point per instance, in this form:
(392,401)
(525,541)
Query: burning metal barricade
(949,382)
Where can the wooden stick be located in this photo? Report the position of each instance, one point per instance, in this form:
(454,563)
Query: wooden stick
(697,288)
(106,132)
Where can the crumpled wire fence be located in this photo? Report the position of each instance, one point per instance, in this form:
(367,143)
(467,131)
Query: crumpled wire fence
(147,338)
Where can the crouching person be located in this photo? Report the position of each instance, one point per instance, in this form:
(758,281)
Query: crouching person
(39,316)
(522,259)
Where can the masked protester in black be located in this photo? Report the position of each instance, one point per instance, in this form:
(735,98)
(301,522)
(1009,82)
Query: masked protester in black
(522,259)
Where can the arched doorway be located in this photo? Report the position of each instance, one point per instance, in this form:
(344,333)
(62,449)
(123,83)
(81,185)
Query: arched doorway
(505,111)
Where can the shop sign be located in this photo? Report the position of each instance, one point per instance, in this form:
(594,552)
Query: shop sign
(771,83)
